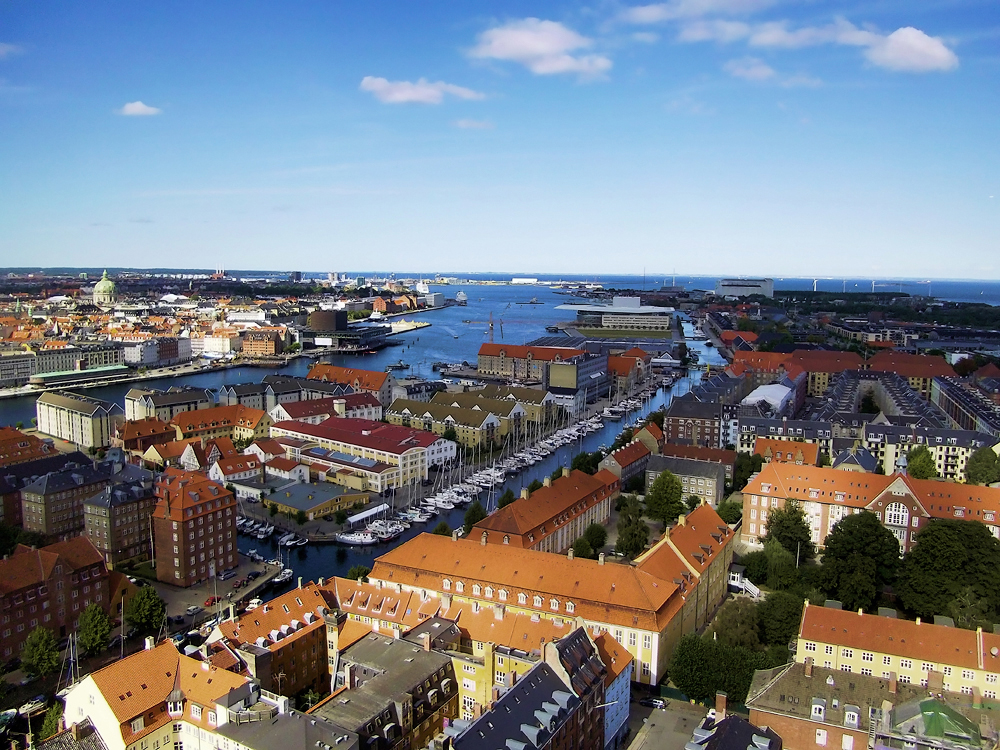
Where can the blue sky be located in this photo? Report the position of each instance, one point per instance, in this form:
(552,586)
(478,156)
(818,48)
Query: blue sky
(702,136)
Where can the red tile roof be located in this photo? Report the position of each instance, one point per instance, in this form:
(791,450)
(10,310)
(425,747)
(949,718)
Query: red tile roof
(364,432)
(368,380)
(629,454)
(787,450)
(911,365)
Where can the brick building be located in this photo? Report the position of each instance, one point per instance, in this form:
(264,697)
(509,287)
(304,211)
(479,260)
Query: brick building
(693,423)
(117,519)
(194,528)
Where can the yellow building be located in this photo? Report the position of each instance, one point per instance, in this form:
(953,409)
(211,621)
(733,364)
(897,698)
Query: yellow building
(967,660)
(472,427)
(239,422)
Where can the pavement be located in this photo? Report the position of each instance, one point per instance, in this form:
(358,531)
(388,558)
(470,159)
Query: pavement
(658,728)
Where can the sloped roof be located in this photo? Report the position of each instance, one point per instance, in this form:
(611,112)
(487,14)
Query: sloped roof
(787,450)
(911,365)
(292,606)
(615,656)
(368,380)
(30,567)
(629,454)
(364,432)
(542,353)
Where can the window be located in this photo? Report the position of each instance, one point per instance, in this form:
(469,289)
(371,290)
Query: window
(522,598)
(195,711)
(926,667)
(947,671)
(896,514)
(647,640)
(908,664)
(459,586)
(866,671)
(537,601)
(631,639)
(446,584)
(477,590)
(645,669)
(829,649)
(502,594)
(991,678)
(887,660)
(847,653)
(554,604)
(847,740)
(821,737)
(570,607)
(810,646)
(967,674)
(845,667)
(866,656)
(137,724)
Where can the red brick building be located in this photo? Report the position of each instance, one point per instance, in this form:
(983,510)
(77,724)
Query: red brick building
(194,528)
(49,587)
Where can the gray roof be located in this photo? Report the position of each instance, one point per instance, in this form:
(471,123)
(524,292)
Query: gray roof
(890,433)
(856,457)
(691,467)
(688,408)
(516,720)
(120,493)
(172,396)
(733,733)
(86,738)
(308,496)
(246,389)
(290,730)
(17,476)
(89,474)
(78,403)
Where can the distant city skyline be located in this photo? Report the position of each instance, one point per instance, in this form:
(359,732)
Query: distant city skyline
(721,137)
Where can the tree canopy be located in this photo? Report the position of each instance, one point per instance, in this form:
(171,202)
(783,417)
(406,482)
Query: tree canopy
(94,629)
(596,535)
(146,610)
(475,513)
(663,498)
(779,616)
(950,555)
(736,624)
(506,498)
(358,572)
(442,529)
(920,463)
(789,527)
(587,462)
(40,654)
(860,557)
(633,533)
(535,485)
(746,464)
(730,511)
(701,667)
(983,467)
(582,548)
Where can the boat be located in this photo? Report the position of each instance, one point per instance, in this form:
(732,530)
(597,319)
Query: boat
(552,329)
(301,542)
(461,298)
(286,539)
(6,718)
(356,538)
(401,365)
(532,301)
(284,576)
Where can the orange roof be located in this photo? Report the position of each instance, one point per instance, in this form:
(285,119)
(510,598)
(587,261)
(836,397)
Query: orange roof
(609,592)
(147,427)
(728,337)
(366,380)
(762,361)
(350,632)
(238,464)
(614,655)
(924,642)
(989,370)
(621,366)
(178,490)
(636,352)
(206,419)
(29,567)
(294,612)
(654,430)
(543,353)
(369,600)
(504,628)
(549,507)
(911,365)
(282,464)
(629,454)
(813,483)
(270,446)
(787,451)
(700,536)
(699,453)
(18,448)
(820,360)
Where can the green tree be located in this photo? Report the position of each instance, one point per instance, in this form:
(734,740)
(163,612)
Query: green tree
(596,535)
(272,509)
(301,517)
(308,699)
(582,548)
(622,440)
(746,465)
(633,533)
(94,629)
(636,484)
(556,474)
(736,624)
(587,462)
(146,610)
(982,467)
(779,615)
(824,458)
(781,570)
(861,556)
(692,667)
(450,434)
(663,499)
(340,517)
(692,502)
(40,654)
(789,527)
(920,463)
(19,425)
(535,485)
(730,512)
(756,566)
(949,555)
(969,611)
(475,513)
(442,529)
(506,498)
(50,726)
(357,572)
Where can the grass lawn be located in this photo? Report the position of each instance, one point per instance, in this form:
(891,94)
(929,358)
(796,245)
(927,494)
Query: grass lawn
(143,570)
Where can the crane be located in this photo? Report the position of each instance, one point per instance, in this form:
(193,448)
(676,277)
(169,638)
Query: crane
(488,323)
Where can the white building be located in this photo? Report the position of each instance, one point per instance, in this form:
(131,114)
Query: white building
(87,422)
(744,287)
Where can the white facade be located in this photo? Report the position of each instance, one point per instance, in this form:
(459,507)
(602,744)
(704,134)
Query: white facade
(142,353)
(616,708)
(87,422)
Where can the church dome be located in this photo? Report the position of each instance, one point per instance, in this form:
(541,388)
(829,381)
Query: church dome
(105,291)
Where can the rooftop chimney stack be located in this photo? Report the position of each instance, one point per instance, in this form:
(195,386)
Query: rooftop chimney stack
(809,666)
(720,706)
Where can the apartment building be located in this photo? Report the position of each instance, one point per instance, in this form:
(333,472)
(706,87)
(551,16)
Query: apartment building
(18,448)
(697,453)
(143,403)
(706,479)
(511,415)
(693,422)
(282,643)
(379,384)
(797,430)
(352,405)
(950,449)
(473,428)
(523,362)
(966,661)
(539,406)
(411,451)
(49,587)
(903,504)
(554,516)
(785,451)
(135,437)
(236,422)
(627,462)
(117,519)
(18,476)
(967,407)
(194,528)
(918,369)
(86,422)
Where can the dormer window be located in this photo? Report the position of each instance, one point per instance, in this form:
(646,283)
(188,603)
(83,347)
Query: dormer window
(175,708)
(477,590)
(819,709)
(446,584)
(537,601)
(459,587)
(851,716)
(137,725)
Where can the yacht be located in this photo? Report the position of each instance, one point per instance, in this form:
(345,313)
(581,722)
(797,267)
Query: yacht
(356,538)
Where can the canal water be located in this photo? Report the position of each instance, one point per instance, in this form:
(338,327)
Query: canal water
(455,335)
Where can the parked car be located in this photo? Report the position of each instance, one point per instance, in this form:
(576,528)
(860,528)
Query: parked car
(253,575)
(227,575)
(212,601)
(176,620)
(132,632)
(193,609)
(653,702)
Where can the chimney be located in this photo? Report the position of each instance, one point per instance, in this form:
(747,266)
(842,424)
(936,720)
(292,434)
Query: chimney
(321,580)
(547,482)
(565,471)
(498,611)
(482,539)
(203,441)
(918,621)
(525,493)
(75,729)
(809,666)
(892,682)
(150,642)
(426,639)
(682,520)
(600,559)
(300,581)
(720,706)
(454,535)
(570,553)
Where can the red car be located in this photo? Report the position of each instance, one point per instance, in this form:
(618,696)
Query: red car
(212,600)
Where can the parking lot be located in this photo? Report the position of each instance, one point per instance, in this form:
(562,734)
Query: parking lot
(668,727)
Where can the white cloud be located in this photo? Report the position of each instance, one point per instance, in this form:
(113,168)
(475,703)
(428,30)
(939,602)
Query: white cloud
(543,47)
(422,92)
(678,9)
(777,34)
(138,109)
(7,50)
(646,37)
(714,31)
(802,81)
(474,124)
(911,50)
(749,69)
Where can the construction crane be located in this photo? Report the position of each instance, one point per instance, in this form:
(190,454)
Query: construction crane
(489,324)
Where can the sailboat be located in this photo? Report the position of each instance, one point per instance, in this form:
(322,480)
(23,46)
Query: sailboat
(71,666)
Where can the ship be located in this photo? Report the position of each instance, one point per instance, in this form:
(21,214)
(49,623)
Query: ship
(462,298)
(532,301)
